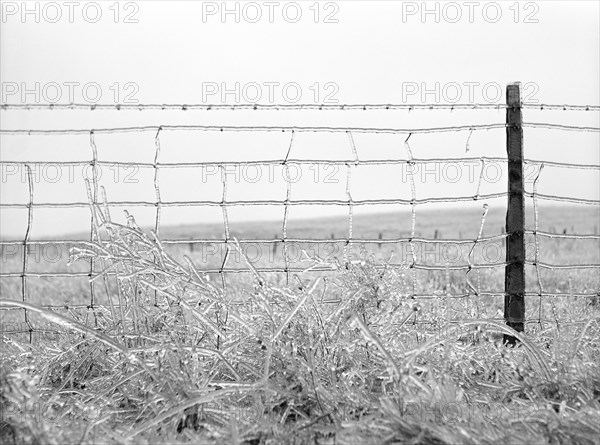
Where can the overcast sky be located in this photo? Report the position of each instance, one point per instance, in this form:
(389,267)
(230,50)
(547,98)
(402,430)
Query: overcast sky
(341,52)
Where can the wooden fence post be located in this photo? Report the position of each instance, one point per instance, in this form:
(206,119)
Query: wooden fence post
(514,279)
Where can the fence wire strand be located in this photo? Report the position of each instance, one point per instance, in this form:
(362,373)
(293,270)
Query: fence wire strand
(282,107)
(225,228)
(254,107)
(270,162)
(536,227)
(258,128)
(288,197)
(306,202)
(94,235)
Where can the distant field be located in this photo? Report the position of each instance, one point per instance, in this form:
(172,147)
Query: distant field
(450,223)
(445,224)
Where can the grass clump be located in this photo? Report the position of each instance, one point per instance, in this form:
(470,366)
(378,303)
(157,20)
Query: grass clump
(166,355)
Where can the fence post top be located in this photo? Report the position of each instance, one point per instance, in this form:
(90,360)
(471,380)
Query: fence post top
(513,94)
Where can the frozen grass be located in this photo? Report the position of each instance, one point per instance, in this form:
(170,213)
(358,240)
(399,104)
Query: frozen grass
(174,357)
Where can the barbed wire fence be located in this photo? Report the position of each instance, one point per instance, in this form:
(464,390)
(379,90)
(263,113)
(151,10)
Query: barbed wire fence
(514,292)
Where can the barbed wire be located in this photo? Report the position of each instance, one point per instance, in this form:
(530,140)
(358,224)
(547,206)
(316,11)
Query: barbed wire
(281,107)
(248,106)
(565,107)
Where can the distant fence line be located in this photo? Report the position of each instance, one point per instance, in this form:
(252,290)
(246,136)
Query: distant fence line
(513,234)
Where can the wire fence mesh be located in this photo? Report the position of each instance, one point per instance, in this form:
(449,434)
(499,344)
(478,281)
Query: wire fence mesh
(280,263)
